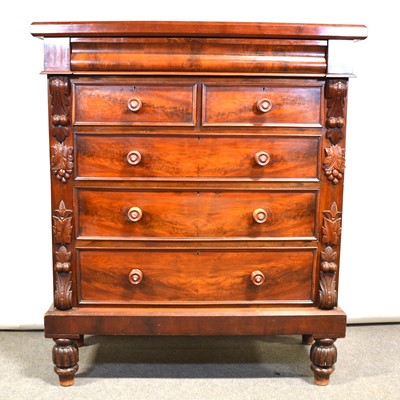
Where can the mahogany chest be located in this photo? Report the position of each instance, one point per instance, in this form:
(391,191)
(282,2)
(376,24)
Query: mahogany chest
(197,177)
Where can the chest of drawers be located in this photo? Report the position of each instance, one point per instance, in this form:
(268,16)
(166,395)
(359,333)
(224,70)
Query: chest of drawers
(197,179)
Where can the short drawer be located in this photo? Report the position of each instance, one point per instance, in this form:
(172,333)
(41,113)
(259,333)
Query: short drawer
(129,276)
(137,157)
(142,104)
(159,214)
(248,105)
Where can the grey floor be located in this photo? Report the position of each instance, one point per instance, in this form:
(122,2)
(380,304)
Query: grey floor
(195,368)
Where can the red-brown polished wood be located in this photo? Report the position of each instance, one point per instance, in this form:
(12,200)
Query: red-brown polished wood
(196,157)
(195,276)
(105,213)
(197,181)
(196,29)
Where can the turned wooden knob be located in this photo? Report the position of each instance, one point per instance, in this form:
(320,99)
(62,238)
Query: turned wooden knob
(262,158)
(135,214)
(260,215)
(135,104)
(264,105)
(134,157)
(135,276)
(257,278)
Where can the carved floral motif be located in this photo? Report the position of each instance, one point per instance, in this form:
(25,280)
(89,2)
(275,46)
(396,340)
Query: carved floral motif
(328,258)
(63,291)
(334,163)
(331,225)
(59,118)
(335,93)
(62,224)
(331,230)
(62,161)
(63,258)
(327,291)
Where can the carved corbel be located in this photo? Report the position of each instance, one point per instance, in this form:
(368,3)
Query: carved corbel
(335,93)
(60,99)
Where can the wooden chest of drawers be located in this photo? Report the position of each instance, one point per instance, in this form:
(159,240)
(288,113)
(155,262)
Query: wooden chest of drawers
(197,179)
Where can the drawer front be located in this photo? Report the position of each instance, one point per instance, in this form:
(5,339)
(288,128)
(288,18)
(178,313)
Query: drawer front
(128,157)
(122,104)
(185,276)
(114,214)
(262,106)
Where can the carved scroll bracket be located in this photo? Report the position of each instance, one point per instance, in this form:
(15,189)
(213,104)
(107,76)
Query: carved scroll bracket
(335,93)
(60,99)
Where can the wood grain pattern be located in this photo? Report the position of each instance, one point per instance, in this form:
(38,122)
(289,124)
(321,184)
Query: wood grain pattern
(198,55)
(195,214)
(196,157)
(196,29)
(237,105)
(195,276)
(220,320)
(108,105)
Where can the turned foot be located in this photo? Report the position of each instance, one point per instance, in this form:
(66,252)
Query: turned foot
(307,340)
(323,356)
(65,359)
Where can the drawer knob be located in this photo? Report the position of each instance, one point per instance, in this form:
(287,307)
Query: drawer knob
(135,104)
(260,215)
(257,278)
(134,157)
(262,158)
(264,105)
(135,214)
(135,276)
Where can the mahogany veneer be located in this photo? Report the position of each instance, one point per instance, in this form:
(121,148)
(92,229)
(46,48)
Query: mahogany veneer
(197,179)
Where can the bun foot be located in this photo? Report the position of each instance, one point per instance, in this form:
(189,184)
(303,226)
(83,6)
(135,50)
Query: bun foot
(323,356)
(65,359)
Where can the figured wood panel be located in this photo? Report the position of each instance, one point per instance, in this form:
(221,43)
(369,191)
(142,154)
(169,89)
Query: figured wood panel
(229,105)
(230,214)
(104,213)
(196,157)
(165,214)
(195,276)
(162,105)
(198,55)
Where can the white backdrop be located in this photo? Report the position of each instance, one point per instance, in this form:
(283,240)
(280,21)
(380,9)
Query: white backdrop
(369,265)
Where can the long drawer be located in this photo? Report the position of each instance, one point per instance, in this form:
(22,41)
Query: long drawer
(160,214)
(137,157)
(128,276)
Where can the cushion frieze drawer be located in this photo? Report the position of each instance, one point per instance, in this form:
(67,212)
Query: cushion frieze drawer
(262,105)
(128,276)
(138,157)
(134,103)
(129,214)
